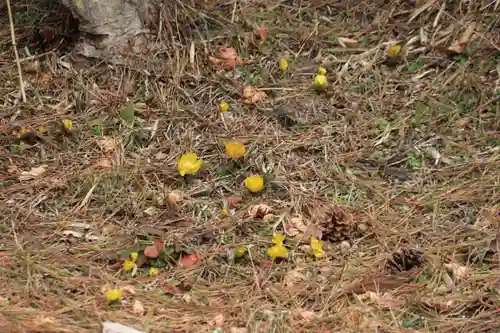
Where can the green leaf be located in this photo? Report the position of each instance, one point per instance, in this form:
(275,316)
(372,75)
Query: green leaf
(97,130)
(421,278)
(128,113)
(413,67)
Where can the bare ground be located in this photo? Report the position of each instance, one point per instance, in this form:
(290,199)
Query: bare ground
(410,149)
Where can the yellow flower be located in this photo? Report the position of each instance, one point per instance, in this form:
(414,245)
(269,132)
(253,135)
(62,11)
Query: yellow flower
(189,164)
(320,81)
(321,70)
(153,271)
(394,50)
(277,251)
(254,183)
(128,265)
(22,130)
(223,106)
(283,64)
(113,295)
(67,124)
(133,256)
(317,247)
(240,252)
(278,238)
(235,149)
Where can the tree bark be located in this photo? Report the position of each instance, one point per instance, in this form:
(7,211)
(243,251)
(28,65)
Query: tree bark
(111,29)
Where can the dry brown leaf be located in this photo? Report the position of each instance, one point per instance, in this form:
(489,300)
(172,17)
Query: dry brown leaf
(345,42)
(129,289)
(103,163)
(238,330)
(458,271)
(253,95)
(259,211)
(383,301)
(293,277)
(12,169)
(33,173)
(306,315)
(217,321)
(138,308)
(295,226)
(233,201)
(107,144)
(459,45)
(174,197)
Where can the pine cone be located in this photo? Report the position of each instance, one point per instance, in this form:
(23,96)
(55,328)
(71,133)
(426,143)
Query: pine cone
(335,224)
(405,259)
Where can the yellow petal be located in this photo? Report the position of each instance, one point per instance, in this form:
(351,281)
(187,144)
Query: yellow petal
(113,295)
(235,149)
(153,271)
(278,238)
(254,183)
(394,50)
(317,247)
(277,251)
(189,164)
(322,70)
(223,106)
(240,252)
(133,256)
(128,265)
(320,80)
(67,124)
(283,64)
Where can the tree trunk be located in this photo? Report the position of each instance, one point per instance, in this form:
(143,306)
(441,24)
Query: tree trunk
(111,29)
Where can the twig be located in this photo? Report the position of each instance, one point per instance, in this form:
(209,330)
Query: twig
(13,37)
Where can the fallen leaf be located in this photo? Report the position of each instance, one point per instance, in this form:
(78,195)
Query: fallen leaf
(238,330)
(383,301)
(128,113)
(459,45)
(160,156)
(261,31)
(103,163)
(458,271)
(111,327)
(107,144)
(295,226)
(151,252)
(129,289)
(294,276)
(73,233)
(189,260)
(253,95)
(217,321)
(306,315)
(138,308)
(228,58)
(33,173)
(233,201)
(259,211)
(12,169)
(347,42)
(174,197)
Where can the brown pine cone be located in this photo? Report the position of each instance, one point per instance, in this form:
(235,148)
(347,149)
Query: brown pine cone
(335,223)
(405,260)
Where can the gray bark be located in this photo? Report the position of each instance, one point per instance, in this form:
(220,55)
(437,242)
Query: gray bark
(111,29)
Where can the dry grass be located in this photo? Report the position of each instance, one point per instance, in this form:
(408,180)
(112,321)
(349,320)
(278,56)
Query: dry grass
(370,146)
